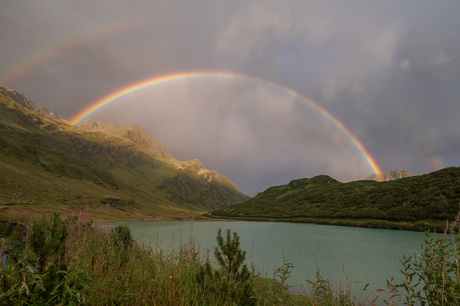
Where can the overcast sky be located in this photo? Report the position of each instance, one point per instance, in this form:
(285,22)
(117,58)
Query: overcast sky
(389,71)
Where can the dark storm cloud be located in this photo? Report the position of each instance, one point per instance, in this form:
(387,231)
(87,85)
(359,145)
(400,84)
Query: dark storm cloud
(388,70)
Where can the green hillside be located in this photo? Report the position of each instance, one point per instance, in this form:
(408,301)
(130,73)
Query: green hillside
(417,203)
(48,162)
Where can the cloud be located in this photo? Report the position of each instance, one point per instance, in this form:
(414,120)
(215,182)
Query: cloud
(252,30)
(405,65)
(388,70)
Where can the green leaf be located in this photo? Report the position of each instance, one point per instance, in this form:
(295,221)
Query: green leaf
(57,287)
(68,290)
(39,282)
(26,288)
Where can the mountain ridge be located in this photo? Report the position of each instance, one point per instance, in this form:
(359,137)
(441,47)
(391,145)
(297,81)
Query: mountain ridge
(27,103)
(67,166)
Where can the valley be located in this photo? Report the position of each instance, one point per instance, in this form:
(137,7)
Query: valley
(123,172)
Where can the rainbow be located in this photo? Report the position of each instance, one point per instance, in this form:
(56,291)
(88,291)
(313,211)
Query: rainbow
(434,161)
(94,107)
(29,62)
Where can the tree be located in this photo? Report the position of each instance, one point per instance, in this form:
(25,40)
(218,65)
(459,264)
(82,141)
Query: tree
(233,283)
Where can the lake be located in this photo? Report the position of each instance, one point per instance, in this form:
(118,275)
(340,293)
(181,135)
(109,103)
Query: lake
(368,256)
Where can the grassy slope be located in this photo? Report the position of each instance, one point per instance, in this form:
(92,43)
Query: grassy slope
(419,203)
(43,161)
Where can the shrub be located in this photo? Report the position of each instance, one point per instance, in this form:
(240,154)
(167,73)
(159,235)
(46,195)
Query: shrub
(122,235)
(42,272)
(233,284)
(432,278)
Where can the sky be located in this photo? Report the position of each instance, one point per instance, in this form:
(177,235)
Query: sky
(323,87)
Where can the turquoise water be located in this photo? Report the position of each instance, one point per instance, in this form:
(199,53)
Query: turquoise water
(368,256)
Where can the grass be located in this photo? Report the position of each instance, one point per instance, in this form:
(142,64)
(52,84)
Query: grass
(97,266)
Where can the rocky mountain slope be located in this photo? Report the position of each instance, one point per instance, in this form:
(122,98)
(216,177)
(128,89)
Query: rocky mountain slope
(392,175)
(44,160)
(143,139)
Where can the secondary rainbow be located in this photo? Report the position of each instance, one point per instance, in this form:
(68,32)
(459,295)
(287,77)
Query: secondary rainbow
(94,107)
(434,161)
(34,59)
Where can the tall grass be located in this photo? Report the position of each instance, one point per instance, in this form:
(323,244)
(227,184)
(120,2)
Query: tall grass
(72,262)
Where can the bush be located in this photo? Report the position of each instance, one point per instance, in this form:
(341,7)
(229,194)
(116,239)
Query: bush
(42,272)
(233,284)
(432,278)
(122,235)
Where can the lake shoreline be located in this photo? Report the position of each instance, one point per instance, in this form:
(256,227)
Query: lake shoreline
(417,226)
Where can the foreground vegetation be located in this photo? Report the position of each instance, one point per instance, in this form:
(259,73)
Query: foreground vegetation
(418,203)
(71,262)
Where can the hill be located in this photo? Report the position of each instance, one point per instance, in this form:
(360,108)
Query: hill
(43,160)
(417,202)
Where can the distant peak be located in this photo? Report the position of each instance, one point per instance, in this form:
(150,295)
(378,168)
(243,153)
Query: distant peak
(392,175)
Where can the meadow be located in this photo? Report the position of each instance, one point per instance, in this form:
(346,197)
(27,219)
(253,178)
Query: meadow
(69,261)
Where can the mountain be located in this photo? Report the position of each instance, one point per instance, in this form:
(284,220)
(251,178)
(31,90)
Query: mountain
(44,160)
(393,175)
(418,202)
(24,101)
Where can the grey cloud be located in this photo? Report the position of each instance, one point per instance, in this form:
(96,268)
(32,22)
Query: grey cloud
(388,70)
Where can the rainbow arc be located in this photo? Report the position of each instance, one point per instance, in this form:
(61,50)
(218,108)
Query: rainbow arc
(132,88)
